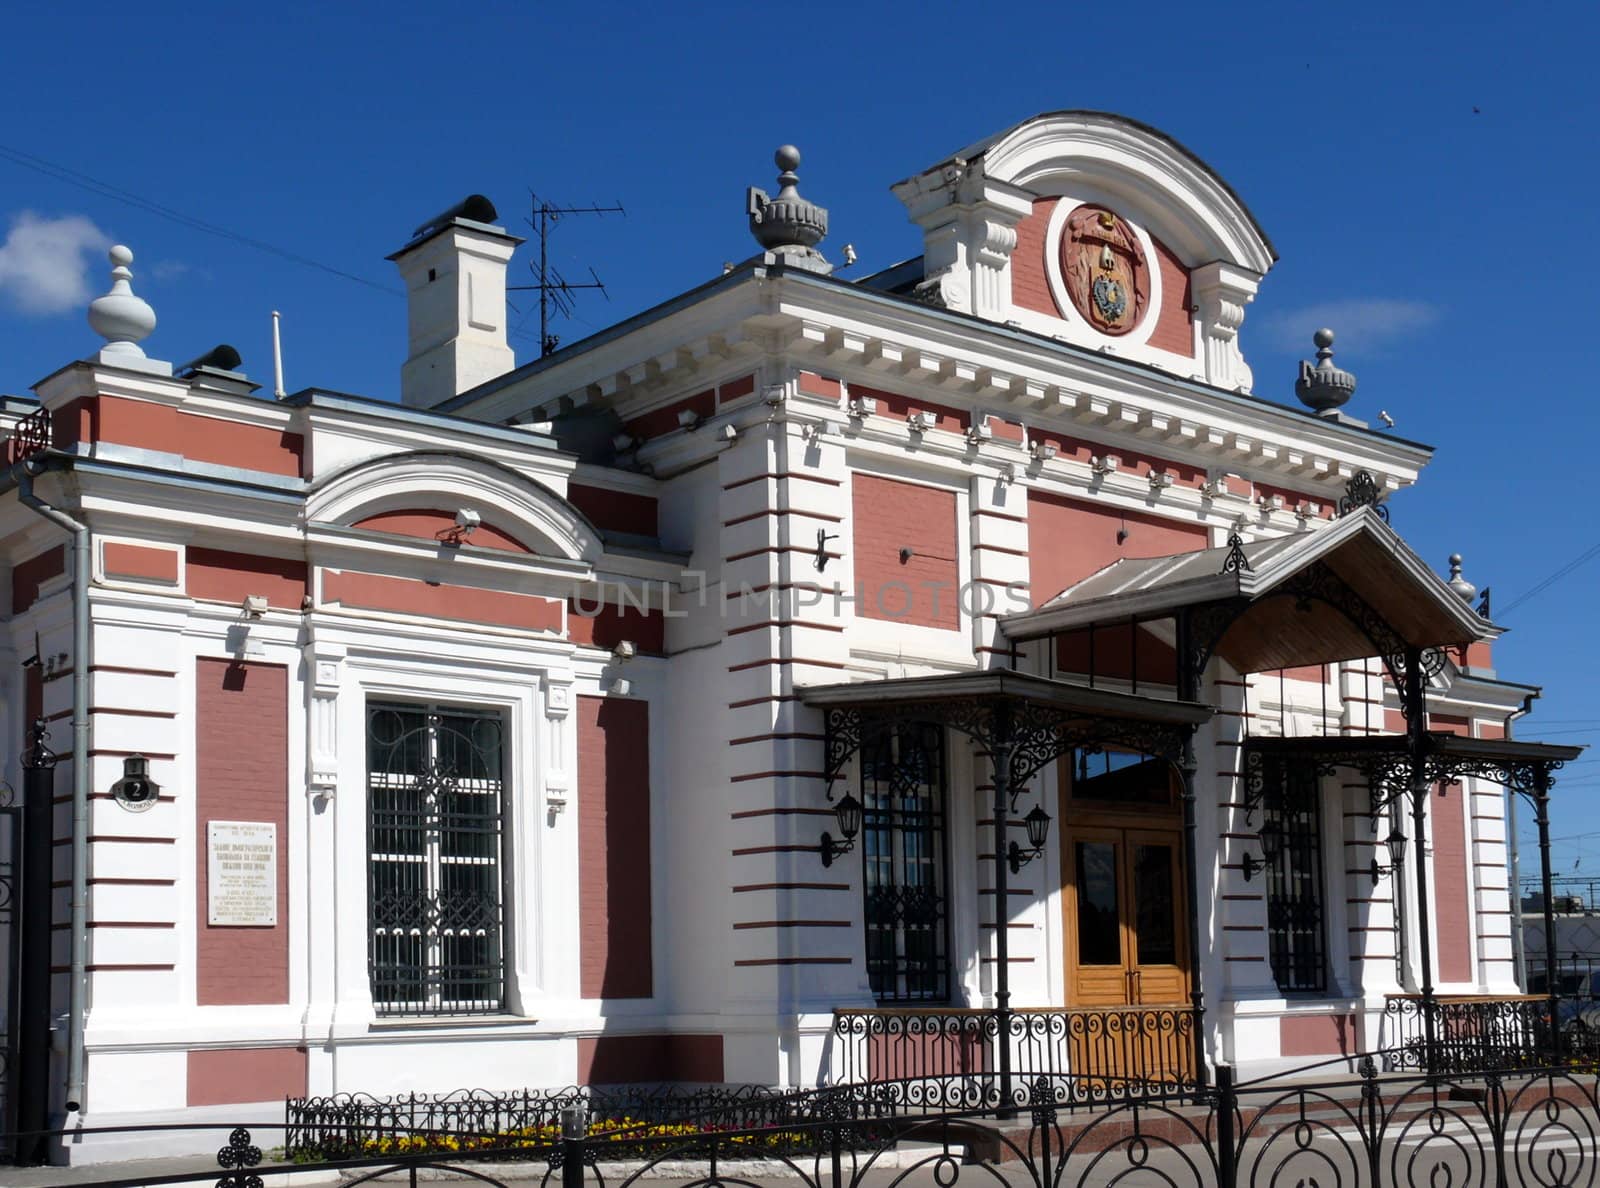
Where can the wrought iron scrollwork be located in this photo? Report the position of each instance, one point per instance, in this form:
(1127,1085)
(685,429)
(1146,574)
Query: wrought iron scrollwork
(1362,491)
(1515,775)
(842,739)
(1235,561)
(1035,734)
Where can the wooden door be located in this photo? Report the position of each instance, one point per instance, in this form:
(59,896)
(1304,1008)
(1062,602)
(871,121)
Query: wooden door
(1125,923)
(1126,948)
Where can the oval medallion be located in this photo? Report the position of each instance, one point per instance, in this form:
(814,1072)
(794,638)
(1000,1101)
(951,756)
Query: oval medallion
(1104,269)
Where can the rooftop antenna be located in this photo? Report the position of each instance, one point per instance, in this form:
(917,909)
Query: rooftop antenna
(277,359)
(555,291)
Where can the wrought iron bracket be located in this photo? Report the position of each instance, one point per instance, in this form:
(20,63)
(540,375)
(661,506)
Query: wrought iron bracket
(1035,735)
(1362,491)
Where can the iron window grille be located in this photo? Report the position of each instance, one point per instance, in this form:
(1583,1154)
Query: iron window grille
(906,864)
(1291,829)
(435,785)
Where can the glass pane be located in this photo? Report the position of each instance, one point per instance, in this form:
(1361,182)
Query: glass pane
(1119,776)
(1154,914)
(1099,942)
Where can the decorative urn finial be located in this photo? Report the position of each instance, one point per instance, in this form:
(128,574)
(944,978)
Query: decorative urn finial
(1458,583)
(121,316)
(788,225)
(1324,388)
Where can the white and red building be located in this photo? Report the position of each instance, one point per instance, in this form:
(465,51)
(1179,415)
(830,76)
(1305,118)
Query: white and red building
(496,729)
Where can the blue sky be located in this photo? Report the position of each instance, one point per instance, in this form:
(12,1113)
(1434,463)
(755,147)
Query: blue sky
(1427,172)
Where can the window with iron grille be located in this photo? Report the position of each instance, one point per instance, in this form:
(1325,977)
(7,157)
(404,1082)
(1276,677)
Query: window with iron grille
(1291,832)
(435,783)
(906,866)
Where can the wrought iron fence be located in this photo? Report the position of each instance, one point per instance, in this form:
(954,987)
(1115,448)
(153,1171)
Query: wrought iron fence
(349,1125)
(1470,1034)
(950,1058)
(1530,1129)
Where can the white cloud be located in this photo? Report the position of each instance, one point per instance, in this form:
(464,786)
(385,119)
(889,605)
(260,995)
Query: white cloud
(1361,324)
(44,262)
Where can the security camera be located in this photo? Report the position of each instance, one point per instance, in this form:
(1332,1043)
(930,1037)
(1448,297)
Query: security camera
(467,521)
(849,254)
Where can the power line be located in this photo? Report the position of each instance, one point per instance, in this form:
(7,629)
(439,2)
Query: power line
(1555,577)
(106,190)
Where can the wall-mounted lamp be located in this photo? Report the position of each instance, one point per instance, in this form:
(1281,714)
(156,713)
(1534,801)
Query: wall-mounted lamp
(1043,451)
(1396,844)
(1038,824)
(1104,465)
(1270,841)
(1007,473)
(919,422)
(1160,480)
(689,419)
(254,606)
(979,433)
(623,442)
(848,815)
(136,790)
(814,430)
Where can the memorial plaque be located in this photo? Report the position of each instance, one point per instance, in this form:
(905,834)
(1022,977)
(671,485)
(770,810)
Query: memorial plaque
(241,874)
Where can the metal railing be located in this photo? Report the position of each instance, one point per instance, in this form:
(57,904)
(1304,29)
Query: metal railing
(30,435)
(349,1125)
(1470,1033)
(1533,1129)
(949,1058)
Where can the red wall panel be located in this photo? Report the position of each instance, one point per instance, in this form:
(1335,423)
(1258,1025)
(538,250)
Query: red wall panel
(1068,540)
(228,1076)
(241,774)
(621,1059)
(1451,889)
(922,588)
(614,847)
(1173,327)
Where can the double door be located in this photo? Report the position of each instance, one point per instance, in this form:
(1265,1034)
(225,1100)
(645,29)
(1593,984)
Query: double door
(1125,904)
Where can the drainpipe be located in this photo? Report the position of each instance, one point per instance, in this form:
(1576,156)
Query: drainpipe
(1518,946)
(80,765)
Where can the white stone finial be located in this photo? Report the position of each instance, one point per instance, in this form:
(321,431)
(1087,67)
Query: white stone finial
(121,317)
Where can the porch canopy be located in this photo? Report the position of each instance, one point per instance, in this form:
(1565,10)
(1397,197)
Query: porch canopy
(1337,592)
(1030,720)
(1385,760)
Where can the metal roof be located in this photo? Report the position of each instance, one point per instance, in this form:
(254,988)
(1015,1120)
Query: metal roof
(1361,550)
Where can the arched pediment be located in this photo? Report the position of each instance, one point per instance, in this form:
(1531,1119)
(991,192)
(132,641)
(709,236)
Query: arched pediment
(1154,179)
(405,492)
(1095,229)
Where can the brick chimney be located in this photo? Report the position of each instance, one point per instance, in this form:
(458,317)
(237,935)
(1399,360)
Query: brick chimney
(454,269)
